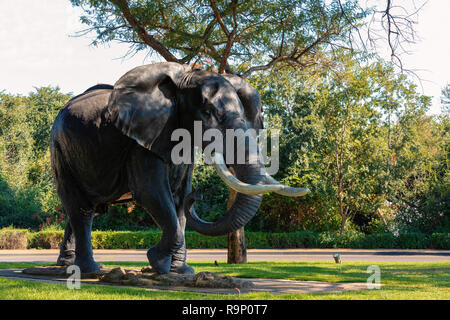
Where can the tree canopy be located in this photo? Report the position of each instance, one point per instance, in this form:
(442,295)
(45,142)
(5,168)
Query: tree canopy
(243,36)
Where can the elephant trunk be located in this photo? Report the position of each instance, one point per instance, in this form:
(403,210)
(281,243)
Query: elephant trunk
(240,213)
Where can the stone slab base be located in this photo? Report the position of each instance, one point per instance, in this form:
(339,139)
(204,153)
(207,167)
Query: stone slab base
(203,282)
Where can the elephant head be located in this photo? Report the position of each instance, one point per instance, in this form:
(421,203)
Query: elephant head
(149,102)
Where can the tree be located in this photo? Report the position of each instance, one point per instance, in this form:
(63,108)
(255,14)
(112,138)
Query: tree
(419,187)
(359,137)
(25,173)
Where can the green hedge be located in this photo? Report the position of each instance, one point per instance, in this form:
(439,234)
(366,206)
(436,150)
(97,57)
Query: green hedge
(50,239)
(440,240)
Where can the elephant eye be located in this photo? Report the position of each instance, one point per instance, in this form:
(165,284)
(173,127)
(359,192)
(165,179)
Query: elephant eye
(208,109)
(207,112)
(211,111)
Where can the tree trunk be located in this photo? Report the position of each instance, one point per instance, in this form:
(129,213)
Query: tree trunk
(344,219)
(237,251)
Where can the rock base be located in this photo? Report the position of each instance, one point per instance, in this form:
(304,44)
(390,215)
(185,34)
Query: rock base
(146,277)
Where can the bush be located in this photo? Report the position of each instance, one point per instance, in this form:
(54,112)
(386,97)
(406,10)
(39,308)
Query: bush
(257,240)
(13,238)
(48,239)
(198,241)
(379,241)
(300,239)
(350,239)
(440,240)
(124,239)
(124,217)
(414,240)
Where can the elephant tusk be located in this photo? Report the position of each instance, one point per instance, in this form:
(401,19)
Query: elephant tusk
(286,190)
(234,183)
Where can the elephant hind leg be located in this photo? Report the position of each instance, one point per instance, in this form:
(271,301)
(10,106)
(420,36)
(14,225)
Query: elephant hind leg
(77,237)
(67,248)
(79,211)
(81,216)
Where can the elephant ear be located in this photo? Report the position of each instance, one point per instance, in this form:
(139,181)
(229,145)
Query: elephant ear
(143,100)
(250,99)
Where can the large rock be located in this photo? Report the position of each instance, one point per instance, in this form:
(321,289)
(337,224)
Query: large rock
(147,277)
(116,275)
(214,280)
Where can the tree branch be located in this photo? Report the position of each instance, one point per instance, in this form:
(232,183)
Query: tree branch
(205,38)
(293,57)
(219,17)
(142,33)
(230,35)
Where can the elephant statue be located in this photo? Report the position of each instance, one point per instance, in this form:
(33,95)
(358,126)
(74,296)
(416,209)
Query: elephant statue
(113,144)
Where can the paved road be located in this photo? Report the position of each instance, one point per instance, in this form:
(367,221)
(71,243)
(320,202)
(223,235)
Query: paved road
(34,255)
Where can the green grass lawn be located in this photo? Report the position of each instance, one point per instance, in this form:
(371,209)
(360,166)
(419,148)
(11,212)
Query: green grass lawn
(401,280)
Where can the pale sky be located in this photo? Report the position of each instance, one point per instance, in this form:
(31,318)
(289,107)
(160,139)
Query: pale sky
(36,49)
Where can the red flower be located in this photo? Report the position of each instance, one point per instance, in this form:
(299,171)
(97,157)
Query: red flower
(130,208)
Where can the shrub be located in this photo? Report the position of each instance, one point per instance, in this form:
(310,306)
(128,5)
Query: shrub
(198,241)
(124,239)
(300,239)
(257,240)
(47,239)
(124,217)
(379,241)
(414,240)
(13,238)
(326,240)
(440,240)
(350,239)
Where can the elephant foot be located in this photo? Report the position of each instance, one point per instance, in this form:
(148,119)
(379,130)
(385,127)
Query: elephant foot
(159,262)
(66,258)
(87,265)
(181,268)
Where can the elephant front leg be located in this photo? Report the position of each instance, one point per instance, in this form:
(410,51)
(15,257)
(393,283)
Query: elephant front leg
(180,191)
(149,184)
(172,239)
(179,264)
